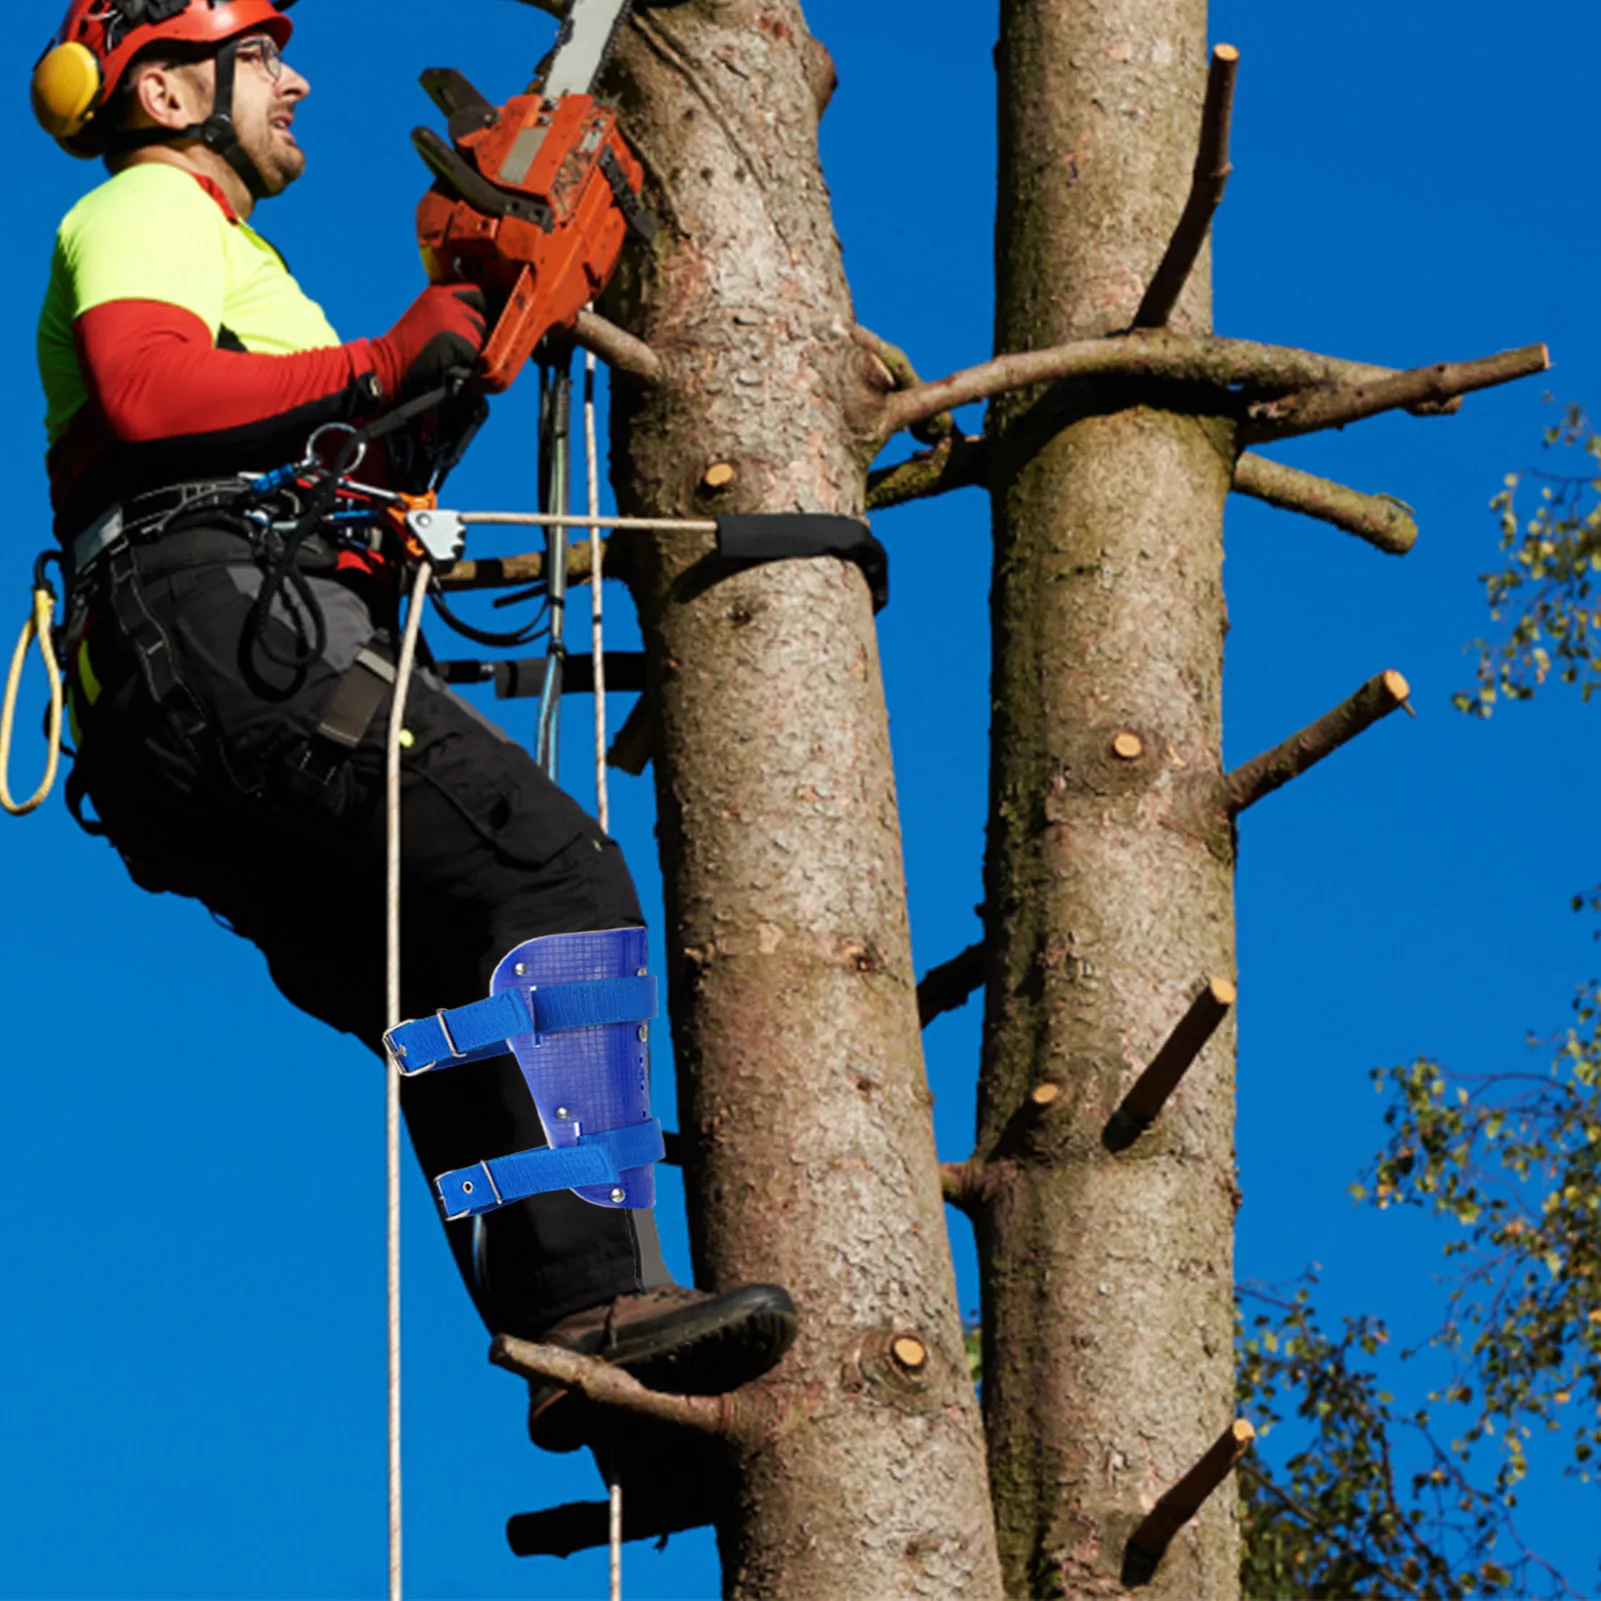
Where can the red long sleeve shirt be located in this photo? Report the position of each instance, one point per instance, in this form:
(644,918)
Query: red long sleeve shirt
(175,345)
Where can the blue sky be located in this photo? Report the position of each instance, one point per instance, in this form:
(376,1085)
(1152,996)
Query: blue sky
(193,1387)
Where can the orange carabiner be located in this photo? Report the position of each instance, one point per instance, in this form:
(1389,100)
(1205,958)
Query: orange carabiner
(399,511)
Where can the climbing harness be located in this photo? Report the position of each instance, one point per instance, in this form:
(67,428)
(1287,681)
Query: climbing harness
(39,629)
(533,200)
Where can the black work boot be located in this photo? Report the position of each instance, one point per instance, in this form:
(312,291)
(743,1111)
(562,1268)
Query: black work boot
(678,1340)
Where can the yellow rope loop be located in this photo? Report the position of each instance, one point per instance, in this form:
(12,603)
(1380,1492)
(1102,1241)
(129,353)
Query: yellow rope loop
(38,627)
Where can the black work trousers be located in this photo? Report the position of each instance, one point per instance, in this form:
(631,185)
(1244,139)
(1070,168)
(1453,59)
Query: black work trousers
(494,854)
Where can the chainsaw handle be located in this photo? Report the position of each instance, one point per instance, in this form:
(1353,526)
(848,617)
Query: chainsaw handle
(451,92)
(524,321)
(462,179)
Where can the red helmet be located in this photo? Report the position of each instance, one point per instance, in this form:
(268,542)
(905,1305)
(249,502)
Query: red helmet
(99,39)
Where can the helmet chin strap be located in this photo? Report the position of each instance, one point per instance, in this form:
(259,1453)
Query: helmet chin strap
(217,133)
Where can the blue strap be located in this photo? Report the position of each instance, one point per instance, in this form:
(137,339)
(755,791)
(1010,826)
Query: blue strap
(595,1159)
(596,1005)
(465,1034)
(472,1033)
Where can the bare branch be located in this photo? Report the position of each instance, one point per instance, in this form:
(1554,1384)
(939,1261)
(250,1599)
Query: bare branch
(1385,524)
(609,1386)
(1144,1102)
(1150,1541)
(959,462)
(1156,354)
(1376,699)
(899,366)
(618,349)
(1211,178)
(946,987)
(1340,404)
(507,572)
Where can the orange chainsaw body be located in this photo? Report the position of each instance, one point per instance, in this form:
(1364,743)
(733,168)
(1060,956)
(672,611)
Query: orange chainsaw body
(557,244)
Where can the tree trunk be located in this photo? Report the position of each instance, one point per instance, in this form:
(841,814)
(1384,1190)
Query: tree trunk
(801,1086)
(1107,1278)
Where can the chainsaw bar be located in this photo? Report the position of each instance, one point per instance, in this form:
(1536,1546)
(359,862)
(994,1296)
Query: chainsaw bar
(583,46)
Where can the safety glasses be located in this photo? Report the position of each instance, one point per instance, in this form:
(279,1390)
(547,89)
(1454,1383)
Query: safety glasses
(262,50)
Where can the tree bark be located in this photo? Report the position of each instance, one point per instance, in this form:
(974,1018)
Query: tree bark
(803,1102)
(1107,1277)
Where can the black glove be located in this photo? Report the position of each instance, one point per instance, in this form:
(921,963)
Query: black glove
(444,332)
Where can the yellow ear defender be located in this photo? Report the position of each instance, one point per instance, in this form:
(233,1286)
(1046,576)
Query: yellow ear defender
(66,86)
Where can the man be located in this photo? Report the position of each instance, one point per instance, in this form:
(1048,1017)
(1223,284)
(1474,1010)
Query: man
(230,683)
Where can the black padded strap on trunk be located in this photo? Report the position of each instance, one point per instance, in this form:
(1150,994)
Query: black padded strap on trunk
(790,536)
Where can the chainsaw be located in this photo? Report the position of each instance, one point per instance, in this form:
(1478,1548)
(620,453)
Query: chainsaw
(533,200)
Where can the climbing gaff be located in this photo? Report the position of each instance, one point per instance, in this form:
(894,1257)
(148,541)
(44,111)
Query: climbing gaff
(40,629)
(575,1010)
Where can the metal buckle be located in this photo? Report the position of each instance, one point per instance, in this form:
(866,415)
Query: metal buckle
(397,1054)
(444,1028)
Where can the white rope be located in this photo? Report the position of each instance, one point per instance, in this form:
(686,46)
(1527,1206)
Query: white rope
(397,727)
(616,1542)
(598,628)
(636,525)
(602,807)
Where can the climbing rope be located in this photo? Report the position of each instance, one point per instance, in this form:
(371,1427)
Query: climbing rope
(404,669)
(39,627)
(603,814)
(616,1542)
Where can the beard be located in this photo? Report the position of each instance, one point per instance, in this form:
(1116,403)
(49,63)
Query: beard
(277,157)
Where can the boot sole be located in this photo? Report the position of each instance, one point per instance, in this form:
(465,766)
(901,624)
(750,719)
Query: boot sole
(701,1350)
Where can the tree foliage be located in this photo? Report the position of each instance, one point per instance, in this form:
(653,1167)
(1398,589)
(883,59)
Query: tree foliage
(1511,1164)
(1380,1500)
(1375,1499)
(1544,595)
(1370,1502)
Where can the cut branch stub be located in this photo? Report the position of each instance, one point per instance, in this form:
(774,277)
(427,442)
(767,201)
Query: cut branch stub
(1143,1104)
(1385,524)
(946,987)
(655,1505)
(1313,410)
(1150,1540)
(961,1182)
(619,349)
(1212,171)
(1375,700)
(631,750)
